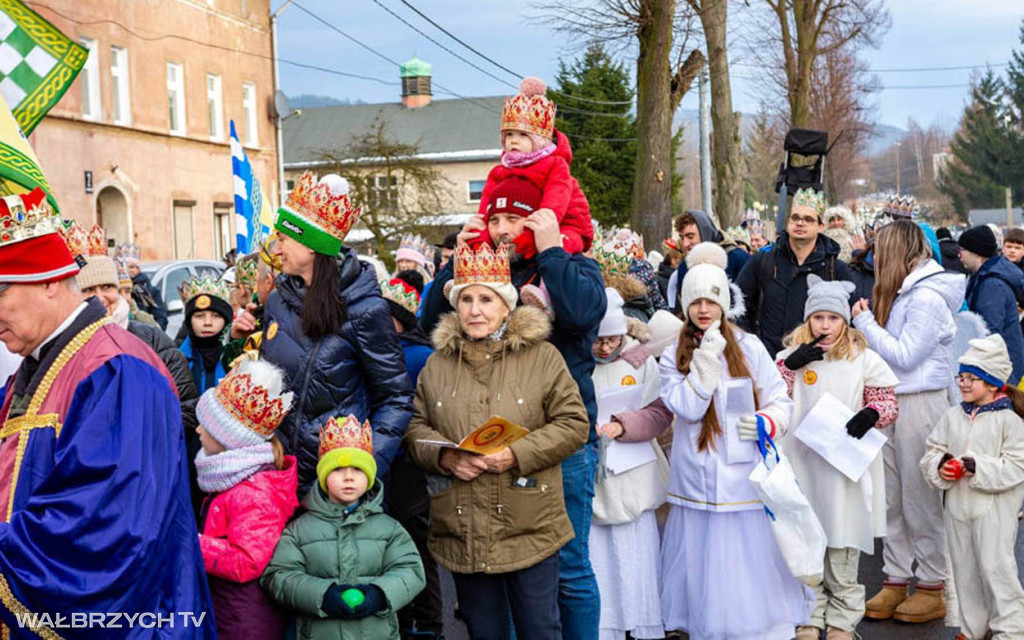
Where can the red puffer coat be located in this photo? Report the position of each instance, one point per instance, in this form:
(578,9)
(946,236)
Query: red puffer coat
(240,531)
(562,194)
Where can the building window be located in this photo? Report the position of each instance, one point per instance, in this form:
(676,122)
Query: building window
(383,193)
(221,229)
(250,131)
(476,190)
(214,107)
(184,247)
(91,82)
(176,98)
(119,81)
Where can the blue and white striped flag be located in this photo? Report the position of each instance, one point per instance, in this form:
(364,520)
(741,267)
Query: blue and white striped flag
(253,217)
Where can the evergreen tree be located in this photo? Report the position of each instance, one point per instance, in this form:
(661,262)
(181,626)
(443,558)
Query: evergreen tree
(603,136)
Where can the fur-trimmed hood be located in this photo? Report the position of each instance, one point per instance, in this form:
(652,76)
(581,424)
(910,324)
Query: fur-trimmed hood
(629,287)
(526,327)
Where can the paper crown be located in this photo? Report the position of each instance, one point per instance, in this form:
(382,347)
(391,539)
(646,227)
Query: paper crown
(413,242)
(482,266)
(738,233)
(207,285)
(128,251)
(629,241)
(401,293)
(247,271)
(349,434)
(32,249)
(529,110)
(124,281)
(85,243)
(255,406)
(810,198)
(899,206)
(318,214)
(614,261)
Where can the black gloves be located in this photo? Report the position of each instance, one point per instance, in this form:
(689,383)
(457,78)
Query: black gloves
(805,354)
(336,607)
(969,465)
(861,422)
(946,457)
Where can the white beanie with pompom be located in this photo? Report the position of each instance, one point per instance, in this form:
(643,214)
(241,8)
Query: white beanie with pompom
(705,278)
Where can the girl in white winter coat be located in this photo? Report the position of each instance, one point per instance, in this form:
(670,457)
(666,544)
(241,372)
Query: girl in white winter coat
(624,538)
(723,575)
(975,456)
(912,327)
(824,355)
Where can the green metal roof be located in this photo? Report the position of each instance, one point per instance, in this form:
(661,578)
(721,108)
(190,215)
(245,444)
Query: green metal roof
(415,68)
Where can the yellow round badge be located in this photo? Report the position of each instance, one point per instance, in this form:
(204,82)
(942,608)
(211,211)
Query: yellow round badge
(271,331)
(810,377)
(203,302)
(628,381)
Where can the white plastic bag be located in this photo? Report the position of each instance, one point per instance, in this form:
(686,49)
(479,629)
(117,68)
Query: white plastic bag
(798,534)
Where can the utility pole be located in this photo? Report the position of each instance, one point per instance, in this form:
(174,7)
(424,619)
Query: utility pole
(705,144)
(1009,207)
(278,117)
(897,168)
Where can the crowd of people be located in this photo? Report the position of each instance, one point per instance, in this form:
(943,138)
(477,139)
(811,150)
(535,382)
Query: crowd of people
(564,421)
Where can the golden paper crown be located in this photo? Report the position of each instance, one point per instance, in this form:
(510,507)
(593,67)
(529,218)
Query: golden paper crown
(529,110)
(247,271)
(900,206)
(614,261)
(401,293)
(347,435)
(482,266)
(413,242)
(313,201)
(205,285)
(252,404)
(124,280)
(85,243)
(810,198)
(25,216)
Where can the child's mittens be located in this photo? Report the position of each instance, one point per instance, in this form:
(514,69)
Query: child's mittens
(862,422)
(970,466)
(373,601)
(334,605)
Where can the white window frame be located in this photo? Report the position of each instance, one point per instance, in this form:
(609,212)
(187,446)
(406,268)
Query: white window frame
(222,214)
(215,106)
(177,86)
(92,105)
(120,85)
(469,190)
(250,114)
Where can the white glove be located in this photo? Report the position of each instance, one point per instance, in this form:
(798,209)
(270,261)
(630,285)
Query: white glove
(713,341)
(747,426)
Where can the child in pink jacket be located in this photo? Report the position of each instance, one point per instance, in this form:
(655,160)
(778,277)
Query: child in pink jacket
(252,490)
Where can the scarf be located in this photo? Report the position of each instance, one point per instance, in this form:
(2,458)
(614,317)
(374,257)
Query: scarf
(614,354)
(122,313)
(224,470)
(516,159)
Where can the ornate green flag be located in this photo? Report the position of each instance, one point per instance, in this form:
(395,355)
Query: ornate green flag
(37,63)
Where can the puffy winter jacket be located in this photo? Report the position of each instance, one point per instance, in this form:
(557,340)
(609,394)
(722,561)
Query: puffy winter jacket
(359,370)
(775,296)
(993,293)
(240,531)
(917,340)
(561,192)
(416,348)
(326,546)
(577,296)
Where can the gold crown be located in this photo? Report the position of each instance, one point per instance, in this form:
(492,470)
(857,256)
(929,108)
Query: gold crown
(483,266)
(349,434)
(250,403)
(27,215)
(84,243)
(205,285)
(614,261)
(401,293)
(313,201)
(123,279)
(810,198)
(247,271)
(529,110)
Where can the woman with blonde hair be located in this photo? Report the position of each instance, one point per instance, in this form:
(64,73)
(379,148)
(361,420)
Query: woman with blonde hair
(912,327)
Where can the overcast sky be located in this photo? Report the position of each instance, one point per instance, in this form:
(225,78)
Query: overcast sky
(924,33)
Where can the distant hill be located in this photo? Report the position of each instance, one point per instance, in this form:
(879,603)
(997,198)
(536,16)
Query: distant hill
(311,101)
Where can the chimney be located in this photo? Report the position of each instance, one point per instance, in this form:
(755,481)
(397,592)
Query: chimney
(416,83)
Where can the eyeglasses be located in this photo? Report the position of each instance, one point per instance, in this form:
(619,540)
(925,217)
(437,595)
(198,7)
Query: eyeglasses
(964,379)
(613,341)
(798,219)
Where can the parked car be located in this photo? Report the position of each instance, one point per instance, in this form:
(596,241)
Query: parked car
(167,276)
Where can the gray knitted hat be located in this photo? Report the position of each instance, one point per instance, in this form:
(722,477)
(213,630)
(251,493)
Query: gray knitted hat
(828,296)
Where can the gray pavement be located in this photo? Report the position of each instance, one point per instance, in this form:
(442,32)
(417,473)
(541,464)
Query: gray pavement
(870,576)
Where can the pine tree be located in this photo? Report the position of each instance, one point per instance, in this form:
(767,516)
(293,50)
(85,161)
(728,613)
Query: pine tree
(603,136)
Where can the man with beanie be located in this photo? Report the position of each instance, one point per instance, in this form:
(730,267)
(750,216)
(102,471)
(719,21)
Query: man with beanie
(994,291)
(576,291)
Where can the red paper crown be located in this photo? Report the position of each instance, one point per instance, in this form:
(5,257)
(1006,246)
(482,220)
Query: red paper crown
(250,403)
(482,266)
(529,110)
(347,435)
(314,202)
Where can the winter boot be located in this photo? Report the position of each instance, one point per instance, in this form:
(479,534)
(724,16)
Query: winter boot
(808,633)
(832,633)
(883,605)
(925,605)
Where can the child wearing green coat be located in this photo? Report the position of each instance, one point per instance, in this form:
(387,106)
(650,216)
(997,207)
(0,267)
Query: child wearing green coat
(345,566)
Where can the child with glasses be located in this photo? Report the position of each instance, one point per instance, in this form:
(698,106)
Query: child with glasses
(975,455)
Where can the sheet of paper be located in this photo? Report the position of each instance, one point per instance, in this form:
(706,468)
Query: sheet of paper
(823,430)
(739,402)
(623,456)
(618,400)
